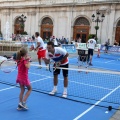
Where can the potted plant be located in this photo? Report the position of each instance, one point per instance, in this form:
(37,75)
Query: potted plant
(96,27)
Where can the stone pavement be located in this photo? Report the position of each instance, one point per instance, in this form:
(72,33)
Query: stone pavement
(116,116)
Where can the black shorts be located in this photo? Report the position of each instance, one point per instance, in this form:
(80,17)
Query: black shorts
(106,47)
(65,72)
(90,52)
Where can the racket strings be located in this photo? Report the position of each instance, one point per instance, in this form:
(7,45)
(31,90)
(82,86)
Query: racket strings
(8,66)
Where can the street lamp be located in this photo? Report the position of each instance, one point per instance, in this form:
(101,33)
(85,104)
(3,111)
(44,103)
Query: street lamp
(97,20)
(22,18)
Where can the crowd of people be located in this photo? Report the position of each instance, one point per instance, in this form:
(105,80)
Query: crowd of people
(23,38)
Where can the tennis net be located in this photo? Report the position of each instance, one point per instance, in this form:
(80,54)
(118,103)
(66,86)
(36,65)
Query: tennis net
(88,86)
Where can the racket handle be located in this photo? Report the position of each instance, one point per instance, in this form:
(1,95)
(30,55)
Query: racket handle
(29,59)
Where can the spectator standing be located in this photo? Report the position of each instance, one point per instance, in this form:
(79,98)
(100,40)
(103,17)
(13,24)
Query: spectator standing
(55,42)
(107,43)
(91,46)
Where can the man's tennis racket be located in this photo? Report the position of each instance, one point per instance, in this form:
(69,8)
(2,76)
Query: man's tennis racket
(8,66)
(53,66)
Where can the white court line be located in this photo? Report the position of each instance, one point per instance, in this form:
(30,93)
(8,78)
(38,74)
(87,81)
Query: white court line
(100,61)
(36,74)
(89,85)
(30,82)
(6,89)
(86,111)
(109,61)
(105,62)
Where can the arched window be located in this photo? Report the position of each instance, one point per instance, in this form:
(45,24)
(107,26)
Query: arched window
(82,21)
(118,24)
(81,29)
(47,21)
(46,28)
(117,34)
(18,26)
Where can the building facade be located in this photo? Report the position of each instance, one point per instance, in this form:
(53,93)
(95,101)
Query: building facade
(69,18)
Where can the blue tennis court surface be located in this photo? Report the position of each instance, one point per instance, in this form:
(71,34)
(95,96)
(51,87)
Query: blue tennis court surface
(94,88)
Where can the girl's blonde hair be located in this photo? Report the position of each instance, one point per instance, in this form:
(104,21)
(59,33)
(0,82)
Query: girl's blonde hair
(21,53)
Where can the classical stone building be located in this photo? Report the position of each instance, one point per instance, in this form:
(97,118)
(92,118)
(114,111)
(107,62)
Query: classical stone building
(69,18)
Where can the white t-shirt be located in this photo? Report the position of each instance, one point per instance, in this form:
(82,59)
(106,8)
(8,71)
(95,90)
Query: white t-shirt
(91,43)
(58,55)
(42,45)
(55,42)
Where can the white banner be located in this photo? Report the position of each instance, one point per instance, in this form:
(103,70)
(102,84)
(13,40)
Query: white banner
(84,46)
(81,46)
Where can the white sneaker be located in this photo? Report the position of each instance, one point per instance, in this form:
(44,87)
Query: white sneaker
(64,95)
(53,92)
(39,67)
(19,107)
(23,105)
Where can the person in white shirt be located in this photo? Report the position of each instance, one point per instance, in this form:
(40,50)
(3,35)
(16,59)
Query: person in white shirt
(55,42)
(59,55)
(41,51)
(91,46)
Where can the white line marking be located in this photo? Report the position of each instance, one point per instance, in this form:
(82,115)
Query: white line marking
(6,89)
(39,80)
(91,85)
(96,103)
(36,74)
(110,61)
(30,82)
